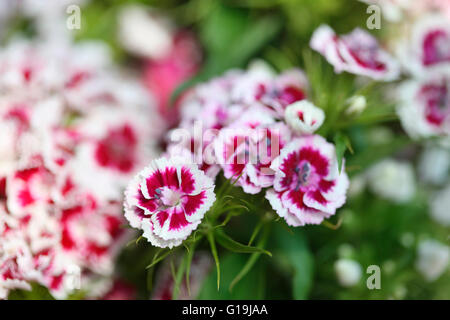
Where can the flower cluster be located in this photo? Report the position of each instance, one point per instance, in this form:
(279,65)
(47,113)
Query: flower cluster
(73,132)
(424,107)
(256,127)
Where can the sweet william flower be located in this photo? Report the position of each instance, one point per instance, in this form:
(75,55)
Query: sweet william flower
(357,52)
(426,50)
(304,117)
(168,200)
(247,148)
(424,107)
(308,186)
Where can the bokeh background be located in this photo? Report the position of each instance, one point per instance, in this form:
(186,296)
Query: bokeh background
(171,45)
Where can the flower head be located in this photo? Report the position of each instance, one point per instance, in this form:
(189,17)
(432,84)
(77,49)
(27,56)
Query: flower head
(424,107)
(308,186)
(357,52)
(247,148)
(426,49)
(168,200)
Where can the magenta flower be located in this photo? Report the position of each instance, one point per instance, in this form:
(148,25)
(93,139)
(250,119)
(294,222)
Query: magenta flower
(168,200)
(308,186)
(357,52)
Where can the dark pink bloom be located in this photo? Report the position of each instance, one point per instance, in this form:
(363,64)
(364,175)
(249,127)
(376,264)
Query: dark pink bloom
(121,291)
(308,186)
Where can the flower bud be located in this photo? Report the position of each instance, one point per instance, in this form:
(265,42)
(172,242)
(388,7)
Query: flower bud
(356,105)
(304,117)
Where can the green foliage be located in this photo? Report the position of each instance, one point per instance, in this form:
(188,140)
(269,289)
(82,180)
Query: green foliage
(250,287)
(292,253)
(37,292)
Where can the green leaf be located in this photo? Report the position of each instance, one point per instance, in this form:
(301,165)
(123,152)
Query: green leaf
(231,38)
(212,243)
(179,276)
(292,250)
(158,258)
(252,260)
(189,256)
(341,143)
(252,286)
(234,246)
(37,292)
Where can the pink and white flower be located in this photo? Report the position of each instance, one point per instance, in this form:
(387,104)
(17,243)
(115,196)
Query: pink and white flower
(308,186)
(168,200)
(424,108)
(63,121)
(357,52)
(426,49)
(91,233)
(247,148)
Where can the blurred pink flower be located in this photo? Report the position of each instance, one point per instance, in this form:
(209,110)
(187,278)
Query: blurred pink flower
(163,75)
(357,52)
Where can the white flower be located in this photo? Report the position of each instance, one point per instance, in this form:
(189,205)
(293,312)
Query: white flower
(144,33)
(439,207)
(304,117)
(392,180)
(434,165)
(348,272)
(432,260)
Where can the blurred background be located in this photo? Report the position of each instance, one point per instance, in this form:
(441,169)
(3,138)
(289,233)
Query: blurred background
(168,46)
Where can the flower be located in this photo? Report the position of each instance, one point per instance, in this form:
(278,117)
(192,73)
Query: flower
(425,50)
(247,148)
(392,180)
(357,52)
(70,142)
(168,200)
(439,204)
(304,117)
(424,107)
(348,272)
(432,259)
(308,186)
